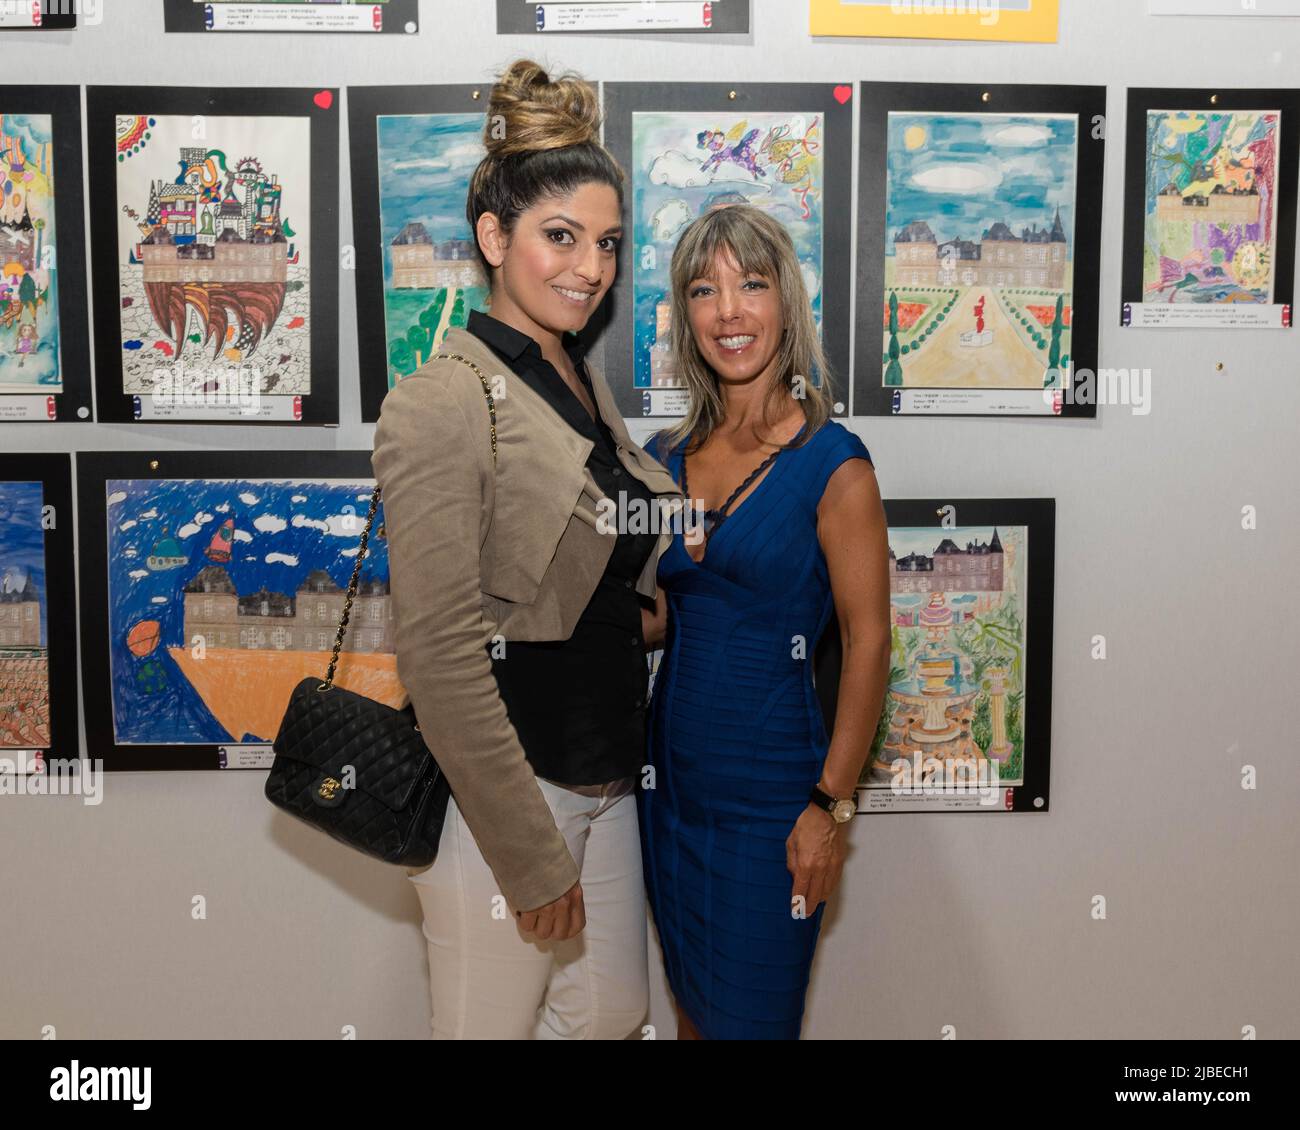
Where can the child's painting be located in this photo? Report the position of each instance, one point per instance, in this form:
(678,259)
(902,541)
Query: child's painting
(979,253)
(30,359)
(39,724)
(24,622)
(687,164)
(432,274)
(1211,207)
(213,246)
(966,721)
(955,701)
(224,593)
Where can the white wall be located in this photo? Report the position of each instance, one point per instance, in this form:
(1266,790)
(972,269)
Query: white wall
(979,922)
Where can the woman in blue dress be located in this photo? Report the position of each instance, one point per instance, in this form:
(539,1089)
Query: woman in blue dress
(742,819)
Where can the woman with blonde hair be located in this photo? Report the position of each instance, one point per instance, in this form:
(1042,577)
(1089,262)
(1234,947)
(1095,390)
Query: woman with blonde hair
(743,829)
(518,612)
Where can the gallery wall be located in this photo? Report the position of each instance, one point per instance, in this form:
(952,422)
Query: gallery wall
(1174,642)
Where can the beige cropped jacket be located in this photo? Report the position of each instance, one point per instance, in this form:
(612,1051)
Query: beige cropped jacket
(477,551)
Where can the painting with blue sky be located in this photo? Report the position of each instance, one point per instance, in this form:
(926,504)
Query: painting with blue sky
(687,164)
(980,216)
(24,632)
(224,593)
(432,277)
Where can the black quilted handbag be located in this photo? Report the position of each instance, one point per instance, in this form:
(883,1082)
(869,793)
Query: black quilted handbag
(353,767)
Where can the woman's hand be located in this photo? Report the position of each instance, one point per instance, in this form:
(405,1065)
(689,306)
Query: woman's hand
(564,918)
(654,624)
(814,855)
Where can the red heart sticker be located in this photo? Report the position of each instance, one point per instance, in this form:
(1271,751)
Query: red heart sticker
(843,94)
(324,99)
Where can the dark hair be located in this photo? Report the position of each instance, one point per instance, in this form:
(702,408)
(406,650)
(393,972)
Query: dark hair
(543,139)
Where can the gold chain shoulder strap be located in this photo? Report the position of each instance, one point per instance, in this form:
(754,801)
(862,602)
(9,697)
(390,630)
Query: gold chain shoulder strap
(370,517)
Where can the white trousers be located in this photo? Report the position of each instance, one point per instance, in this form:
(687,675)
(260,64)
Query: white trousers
(490,981)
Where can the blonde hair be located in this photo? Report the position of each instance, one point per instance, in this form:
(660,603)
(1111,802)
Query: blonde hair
(542,137)
(759,245)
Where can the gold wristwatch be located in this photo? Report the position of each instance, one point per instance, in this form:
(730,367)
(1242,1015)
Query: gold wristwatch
(841,810)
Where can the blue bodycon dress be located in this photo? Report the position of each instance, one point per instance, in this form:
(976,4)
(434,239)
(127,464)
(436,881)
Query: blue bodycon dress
(737,742)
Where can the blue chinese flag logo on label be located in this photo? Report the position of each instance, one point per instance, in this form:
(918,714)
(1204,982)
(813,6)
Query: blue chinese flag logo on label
(207,16)
(896,401)
(541,17)
(1126,319)
(136,408)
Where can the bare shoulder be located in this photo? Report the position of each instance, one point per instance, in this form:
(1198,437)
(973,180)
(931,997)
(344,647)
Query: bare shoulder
(852,481)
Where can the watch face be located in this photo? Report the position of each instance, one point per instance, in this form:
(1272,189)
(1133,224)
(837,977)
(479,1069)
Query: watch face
(843,810)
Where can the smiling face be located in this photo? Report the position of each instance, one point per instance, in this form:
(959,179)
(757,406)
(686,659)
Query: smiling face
(736,320)
(558,263)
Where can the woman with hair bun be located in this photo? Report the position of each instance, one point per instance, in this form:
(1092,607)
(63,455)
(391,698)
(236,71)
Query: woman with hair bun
(518,606)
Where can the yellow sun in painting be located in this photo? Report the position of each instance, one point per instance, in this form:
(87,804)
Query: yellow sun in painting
(914,137)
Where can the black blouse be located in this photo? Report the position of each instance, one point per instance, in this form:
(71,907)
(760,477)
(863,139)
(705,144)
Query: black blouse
(578,705)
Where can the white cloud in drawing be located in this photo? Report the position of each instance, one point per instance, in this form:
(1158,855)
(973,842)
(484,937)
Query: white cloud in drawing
(669,219)
(150,513)
(188,530)
(243,535)
(269,524)
(136,574)
(675,169)
(1022,134)
(249,498)
(957,177)
(281,559)
(336,525)
(127,524)
(463,156)
(116,496)
(201,519)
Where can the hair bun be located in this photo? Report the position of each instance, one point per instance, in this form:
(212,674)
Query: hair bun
(529,111)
